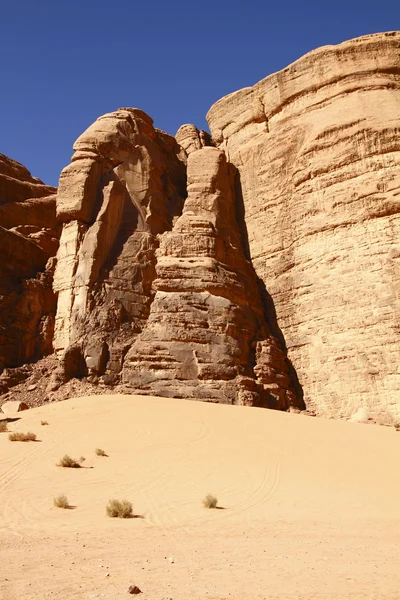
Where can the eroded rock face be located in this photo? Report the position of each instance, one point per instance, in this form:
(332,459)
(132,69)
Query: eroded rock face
(28,241)
(154,287)
(206,335)
(317,146)
(124,187)
(246,268)
(17,184)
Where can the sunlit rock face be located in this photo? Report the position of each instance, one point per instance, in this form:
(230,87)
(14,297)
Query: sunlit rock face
(124,187)
(256,266)
(317,146)
(154,288)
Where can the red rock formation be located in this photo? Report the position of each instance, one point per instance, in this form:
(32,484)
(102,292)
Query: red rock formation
(17,184)
(28,239)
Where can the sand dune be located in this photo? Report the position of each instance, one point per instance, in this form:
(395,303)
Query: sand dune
(309,507)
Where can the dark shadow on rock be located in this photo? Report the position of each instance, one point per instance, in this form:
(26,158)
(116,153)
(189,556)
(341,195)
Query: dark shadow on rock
(272,320)
(267,300)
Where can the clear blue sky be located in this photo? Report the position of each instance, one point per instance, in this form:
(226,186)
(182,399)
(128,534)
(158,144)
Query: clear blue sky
(63,64)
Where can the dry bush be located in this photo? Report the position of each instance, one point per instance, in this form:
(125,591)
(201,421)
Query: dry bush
(397,427)
(210,501)
(61,501)
(44,422)
(119,508)
(100,452)
(68,462)
(3,426)
(22,437)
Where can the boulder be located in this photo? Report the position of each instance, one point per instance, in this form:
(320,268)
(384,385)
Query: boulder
(12,407)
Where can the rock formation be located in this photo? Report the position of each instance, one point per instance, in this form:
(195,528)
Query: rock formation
(206,335)
(258,266)
(28,241)
(184,319)
(124,187)
(317,146)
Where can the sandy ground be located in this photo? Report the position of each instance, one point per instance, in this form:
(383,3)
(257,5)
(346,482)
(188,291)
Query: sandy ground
(309,508)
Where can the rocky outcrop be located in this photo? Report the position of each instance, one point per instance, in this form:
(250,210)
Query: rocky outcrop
(164,298)
(28,241)
(191,139)
(317,146)
(206,335)
(259,266)
(17,184)
(124,187)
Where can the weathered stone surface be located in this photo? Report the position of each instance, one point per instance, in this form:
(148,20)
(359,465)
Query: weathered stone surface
(245,268)
(206,335)
(191,139)
(37,212)
(125,186)
(17,184)
(28,239)
(317,147)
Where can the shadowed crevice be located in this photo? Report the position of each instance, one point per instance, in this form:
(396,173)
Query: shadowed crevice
(267,300)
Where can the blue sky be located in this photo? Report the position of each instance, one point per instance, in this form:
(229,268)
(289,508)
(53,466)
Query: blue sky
(63,64)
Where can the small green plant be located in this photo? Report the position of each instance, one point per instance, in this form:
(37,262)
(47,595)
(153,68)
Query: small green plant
(68,462)
(44,422)
(119,508)
(61,501)
(210,501)
(100,452)
(22,437)
(3,426)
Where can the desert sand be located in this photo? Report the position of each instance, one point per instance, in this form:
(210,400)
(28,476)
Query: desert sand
(309,508)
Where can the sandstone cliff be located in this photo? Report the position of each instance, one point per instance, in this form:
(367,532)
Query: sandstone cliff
(164,298)
(258,266)
(317,147)
(28,240)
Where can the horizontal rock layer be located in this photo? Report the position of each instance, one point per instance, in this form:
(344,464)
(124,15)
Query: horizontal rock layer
(257,267)
(317,147)
(28,240)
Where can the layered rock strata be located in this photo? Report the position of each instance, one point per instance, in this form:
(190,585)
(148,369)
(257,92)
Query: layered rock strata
(317,146)
(17,184)
(243,268)
(28,241)
(206,336)
(124,187)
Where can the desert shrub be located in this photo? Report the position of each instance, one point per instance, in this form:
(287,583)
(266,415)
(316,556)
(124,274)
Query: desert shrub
(100,452)
(61,501)
(397,427)
(68,462)
(3,426)
(210,501)
(22,437)
(44,422)
(119,508)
